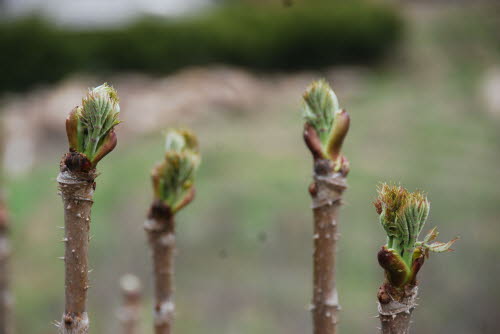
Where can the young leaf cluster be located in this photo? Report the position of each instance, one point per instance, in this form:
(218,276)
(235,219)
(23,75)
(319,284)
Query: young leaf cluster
(90,127)
(403,214)
(173,177)
(322,113)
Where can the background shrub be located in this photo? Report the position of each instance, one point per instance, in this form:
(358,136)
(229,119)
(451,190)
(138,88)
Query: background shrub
(260,37)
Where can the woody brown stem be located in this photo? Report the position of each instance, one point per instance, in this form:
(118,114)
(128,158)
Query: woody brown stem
(5,297)
(129,313)
(326,192)
(76,185)
(160,228)
(395,307)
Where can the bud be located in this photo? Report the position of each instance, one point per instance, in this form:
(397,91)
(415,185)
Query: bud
(90,127)
(173,178)
(390,205)
(403,215)
(326,123)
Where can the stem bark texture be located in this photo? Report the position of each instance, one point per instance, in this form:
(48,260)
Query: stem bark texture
(160,228)
(326,192)
(395,307)
(5,297)
(129,313)
(77,190)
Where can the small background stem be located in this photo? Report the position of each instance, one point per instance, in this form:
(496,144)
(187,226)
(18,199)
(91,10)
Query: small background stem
(161,233)
(5,296)
(129,313)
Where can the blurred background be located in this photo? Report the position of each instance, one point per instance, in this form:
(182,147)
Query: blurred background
(421,81)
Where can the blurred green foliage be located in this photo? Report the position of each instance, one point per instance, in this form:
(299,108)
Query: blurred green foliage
(261,37)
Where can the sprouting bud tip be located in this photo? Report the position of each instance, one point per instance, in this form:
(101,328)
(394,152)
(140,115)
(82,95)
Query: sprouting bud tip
(321,111)
(173,178)
(103,92)
(89,126)
(179,140)
(391,201)
(403,215)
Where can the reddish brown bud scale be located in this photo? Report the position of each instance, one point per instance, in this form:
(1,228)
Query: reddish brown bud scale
(76,162)
(339,132)
(186,200)
(397,272)
(313,142)
(72,129)
(3,217)
(108,145)
(159,211)
(378,206)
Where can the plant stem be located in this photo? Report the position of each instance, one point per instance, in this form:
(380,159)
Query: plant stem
(160,228)
(326,192)
(129,314)
(395,307)
(5,297)
(76,189)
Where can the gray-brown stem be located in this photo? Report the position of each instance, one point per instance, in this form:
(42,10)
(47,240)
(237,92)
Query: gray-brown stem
(129,313)
(77,191)
(160,228)
(5,297)
(395,307)
(326,192)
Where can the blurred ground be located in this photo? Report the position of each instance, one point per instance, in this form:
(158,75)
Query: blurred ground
(424,119)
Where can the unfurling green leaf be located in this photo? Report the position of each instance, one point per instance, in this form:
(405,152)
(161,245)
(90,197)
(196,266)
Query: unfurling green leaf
(441,247)
(432,235)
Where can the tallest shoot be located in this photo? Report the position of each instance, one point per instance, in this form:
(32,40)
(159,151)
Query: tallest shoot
(91,136)
(324,132)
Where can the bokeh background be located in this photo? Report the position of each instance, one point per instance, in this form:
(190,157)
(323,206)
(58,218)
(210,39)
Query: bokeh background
(421,81)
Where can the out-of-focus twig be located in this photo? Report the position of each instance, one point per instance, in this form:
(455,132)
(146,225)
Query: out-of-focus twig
(129,312)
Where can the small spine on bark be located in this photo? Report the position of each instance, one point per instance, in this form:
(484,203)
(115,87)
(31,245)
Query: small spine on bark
(91,136)
(402,214)
(326,126)
(129,313)
(173,189)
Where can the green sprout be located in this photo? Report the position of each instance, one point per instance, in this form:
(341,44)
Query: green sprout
(330,123)
(173,177)
(90,127)
(403,215)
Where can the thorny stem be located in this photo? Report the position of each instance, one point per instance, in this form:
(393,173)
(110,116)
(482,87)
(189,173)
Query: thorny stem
(77,190)
(324,132)
(129,313)
(160,228)
(402,215)
(326,192)
(5,297)
(395,307)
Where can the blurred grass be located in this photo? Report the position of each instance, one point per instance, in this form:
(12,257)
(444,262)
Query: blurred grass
(245,242)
